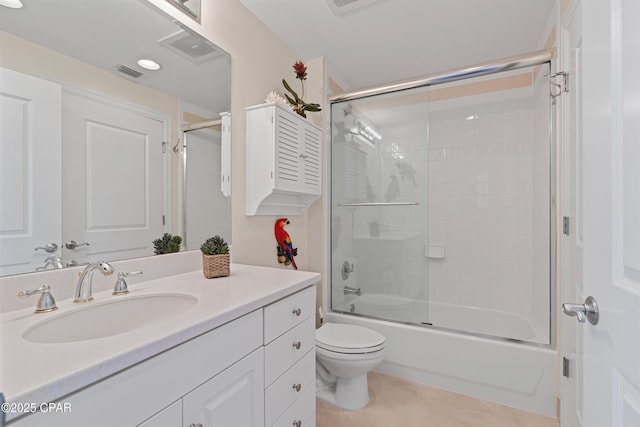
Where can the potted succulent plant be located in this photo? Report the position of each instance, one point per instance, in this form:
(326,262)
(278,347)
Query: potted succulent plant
(167,244)
(215,257)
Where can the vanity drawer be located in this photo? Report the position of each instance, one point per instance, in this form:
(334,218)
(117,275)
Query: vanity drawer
(302,411)
(284,391)
(286,350)
(283,315)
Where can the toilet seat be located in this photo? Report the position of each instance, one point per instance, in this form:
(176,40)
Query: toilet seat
(348,339)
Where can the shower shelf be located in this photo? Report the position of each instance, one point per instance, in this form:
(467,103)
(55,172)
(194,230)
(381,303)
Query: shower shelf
(380,204)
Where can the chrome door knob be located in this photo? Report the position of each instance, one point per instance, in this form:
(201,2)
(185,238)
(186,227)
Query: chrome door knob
(587,311)
(72,244)
(49,247)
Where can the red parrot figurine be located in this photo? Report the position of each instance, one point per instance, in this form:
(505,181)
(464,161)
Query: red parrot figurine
(284,241)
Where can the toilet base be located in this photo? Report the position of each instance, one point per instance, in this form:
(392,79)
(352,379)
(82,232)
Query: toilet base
(346,393)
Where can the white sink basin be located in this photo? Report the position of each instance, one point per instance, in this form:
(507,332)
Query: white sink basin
(98,320)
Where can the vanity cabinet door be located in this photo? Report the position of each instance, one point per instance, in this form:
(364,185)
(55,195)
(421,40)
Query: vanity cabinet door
(233,398)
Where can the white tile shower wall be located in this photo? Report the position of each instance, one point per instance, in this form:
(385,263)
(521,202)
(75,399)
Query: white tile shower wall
(394,263)
(483,174)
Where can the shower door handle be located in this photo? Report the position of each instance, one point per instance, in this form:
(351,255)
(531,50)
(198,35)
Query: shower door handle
(587,311)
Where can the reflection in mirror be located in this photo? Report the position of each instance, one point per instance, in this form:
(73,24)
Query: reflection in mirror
(190,7)
(203,145)
(86,169)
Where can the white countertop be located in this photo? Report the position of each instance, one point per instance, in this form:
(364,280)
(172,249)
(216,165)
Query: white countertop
(41,373)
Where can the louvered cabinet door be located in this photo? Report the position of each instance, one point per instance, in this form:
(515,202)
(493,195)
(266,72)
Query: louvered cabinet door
(288,150)
(298,154)
(311,160)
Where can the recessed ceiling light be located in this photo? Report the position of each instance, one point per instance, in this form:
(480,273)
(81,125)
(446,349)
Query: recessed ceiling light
(147,64)
(13,4)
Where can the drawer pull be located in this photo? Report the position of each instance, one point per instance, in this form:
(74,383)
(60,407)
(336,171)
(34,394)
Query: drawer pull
(297,345)
(297,387)
(297,311)
(297,423)
(196,425)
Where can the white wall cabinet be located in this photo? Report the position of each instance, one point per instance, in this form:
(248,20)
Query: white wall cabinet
(283,161)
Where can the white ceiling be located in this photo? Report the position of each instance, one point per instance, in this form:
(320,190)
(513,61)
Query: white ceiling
(391,40)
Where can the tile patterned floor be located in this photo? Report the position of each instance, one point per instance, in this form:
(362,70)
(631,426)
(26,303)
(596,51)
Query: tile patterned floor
(398,402)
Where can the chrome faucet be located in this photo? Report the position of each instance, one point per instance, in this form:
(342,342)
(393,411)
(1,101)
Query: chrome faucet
(83,292)
(353,291)
(53,260)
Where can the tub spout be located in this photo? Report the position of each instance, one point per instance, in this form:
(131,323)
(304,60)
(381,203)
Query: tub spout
(348,290)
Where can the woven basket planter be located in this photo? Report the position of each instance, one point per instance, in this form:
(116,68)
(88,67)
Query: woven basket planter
(215,265)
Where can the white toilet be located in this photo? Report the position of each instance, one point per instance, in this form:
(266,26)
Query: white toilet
(344,355)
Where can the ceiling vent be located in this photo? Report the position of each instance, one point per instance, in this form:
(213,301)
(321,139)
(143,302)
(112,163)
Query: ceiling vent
(129,72)
(191,46)
(341,7)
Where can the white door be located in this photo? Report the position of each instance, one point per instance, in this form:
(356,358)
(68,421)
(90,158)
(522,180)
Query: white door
(572,238)
(611,153)
(29,171)
(113,180)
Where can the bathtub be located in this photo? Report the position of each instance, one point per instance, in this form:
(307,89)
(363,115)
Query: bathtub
(503,371)
(476,320)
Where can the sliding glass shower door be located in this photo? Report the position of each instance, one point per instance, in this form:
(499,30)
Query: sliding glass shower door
(441,205)
(379,206)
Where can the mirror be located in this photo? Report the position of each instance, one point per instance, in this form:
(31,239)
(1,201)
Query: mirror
(88,168)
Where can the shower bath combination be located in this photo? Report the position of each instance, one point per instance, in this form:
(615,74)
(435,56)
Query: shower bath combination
(456,173)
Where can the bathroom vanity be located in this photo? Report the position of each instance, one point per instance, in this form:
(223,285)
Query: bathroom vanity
(241,354)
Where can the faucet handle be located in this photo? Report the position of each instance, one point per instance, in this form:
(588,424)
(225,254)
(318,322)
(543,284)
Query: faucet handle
(46,302)
(120,287)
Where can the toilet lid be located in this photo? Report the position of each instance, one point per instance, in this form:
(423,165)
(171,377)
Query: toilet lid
(343,338)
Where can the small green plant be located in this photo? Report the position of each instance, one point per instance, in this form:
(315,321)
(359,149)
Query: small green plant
(215,245)
(167,244)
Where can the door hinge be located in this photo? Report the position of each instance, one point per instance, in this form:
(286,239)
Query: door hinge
(164,146)
(163,220)
(565,367)
(565,225)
